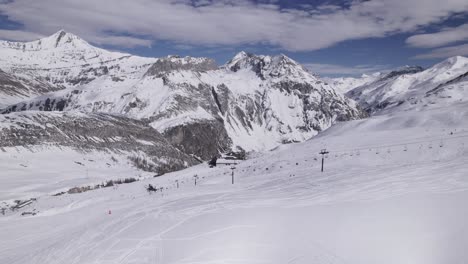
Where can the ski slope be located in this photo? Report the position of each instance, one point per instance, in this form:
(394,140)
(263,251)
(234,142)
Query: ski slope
(39,171)
(394,191)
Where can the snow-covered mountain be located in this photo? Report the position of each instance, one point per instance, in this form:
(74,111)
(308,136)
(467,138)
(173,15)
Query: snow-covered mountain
(346,84)
(415,88)
(64,55)
(60,61)
(63,61)
(251,103)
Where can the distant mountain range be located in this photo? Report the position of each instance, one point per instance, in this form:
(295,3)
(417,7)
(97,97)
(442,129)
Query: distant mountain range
(194,108)
(410,87)
(251,103)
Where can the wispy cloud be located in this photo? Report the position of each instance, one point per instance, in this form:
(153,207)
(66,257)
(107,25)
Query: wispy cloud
(227,22)
(340,70)
(18,35)
(445,52)
(121,41)
(444,37)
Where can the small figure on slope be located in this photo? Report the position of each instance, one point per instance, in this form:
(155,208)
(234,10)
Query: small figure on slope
(150,188)
(212,162)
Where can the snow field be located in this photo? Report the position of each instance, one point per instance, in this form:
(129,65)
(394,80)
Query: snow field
(391,207)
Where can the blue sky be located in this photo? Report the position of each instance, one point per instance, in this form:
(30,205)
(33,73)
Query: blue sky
(332,38)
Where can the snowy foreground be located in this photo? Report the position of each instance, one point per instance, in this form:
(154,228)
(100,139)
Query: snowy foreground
(394,190)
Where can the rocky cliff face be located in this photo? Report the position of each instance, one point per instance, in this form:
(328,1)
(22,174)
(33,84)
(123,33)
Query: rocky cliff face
(14,88)
(176,63)
(257,102)
(251,103)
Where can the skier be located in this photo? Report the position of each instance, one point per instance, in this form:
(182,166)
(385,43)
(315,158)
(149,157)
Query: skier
(151,188)
(212,162)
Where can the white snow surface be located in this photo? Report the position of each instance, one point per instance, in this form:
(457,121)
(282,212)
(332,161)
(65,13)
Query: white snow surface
(394,190)
(45,170)
(346,84)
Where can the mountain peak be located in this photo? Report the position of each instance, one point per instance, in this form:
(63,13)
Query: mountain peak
(455,59)
(243,60)
(59,36)
(242,54)
(266,66)
(449,64)
(404,70)
(60,32)
(60,39)
(284,61)
(241,57)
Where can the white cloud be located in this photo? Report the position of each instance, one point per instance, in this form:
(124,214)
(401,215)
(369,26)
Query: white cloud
(18,35)
(227,22)
(120,41)
(340,70)
(441,38)
(446,52)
